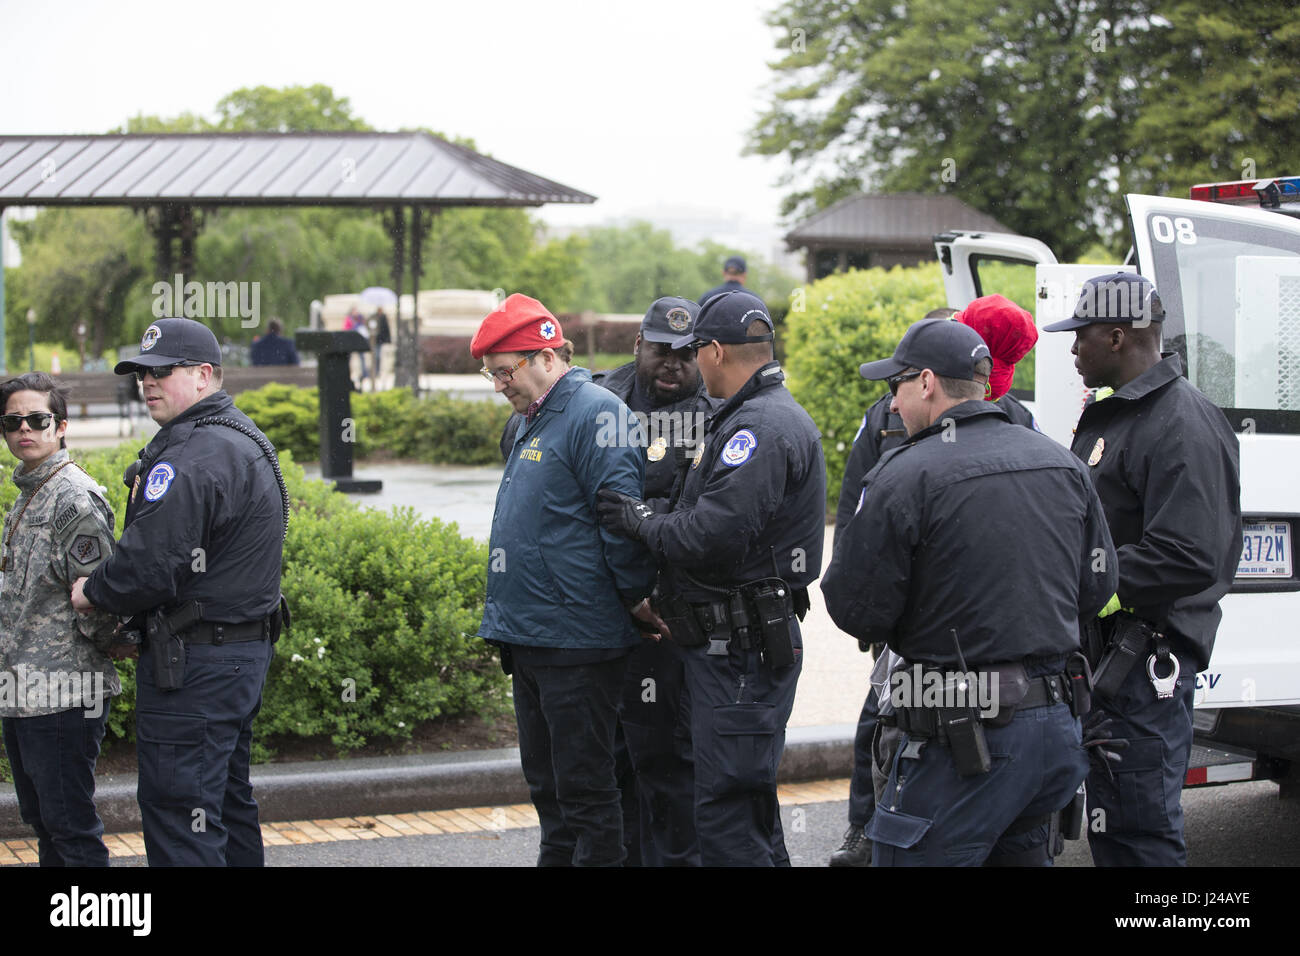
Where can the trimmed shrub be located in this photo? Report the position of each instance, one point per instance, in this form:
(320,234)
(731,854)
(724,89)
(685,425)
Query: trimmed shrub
(385,611)
(434,428)
(851,318)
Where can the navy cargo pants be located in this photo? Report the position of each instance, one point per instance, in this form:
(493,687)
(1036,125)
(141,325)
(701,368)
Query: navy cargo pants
(196,799)
(862,791)
(566,716)
(1136,818)
(53,761)
(739,709)
(929,815)
(656,721)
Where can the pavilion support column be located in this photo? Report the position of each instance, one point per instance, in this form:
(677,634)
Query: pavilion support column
(395,223)
(421,220)
(187,229)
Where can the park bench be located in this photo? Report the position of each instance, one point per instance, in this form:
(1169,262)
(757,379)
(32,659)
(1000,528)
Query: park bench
(105,388)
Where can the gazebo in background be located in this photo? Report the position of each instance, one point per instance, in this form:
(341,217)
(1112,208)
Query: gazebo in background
(864,231)
(175,179)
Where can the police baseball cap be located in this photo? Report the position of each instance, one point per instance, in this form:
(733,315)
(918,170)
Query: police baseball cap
(726,318)
(668,319)
(170,342)
(946,348)
(734,264)
(1117,297)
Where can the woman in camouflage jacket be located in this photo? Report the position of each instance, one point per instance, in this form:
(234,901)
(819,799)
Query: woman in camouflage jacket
(56,677)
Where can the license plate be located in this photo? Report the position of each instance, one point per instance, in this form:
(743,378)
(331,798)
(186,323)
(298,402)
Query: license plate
(1265,550)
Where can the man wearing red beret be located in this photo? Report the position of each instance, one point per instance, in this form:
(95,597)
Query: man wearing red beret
(566,599)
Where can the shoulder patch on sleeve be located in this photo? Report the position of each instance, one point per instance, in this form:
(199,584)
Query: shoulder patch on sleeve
(66,517)
(85,549)
(739,449)
(159,480)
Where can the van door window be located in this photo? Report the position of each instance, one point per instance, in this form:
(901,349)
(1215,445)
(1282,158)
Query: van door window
(1231,291)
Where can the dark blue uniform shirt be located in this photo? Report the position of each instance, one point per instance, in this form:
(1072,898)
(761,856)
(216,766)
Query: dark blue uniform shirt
(978,525)
(1167,474)
(207,488)
(754,494)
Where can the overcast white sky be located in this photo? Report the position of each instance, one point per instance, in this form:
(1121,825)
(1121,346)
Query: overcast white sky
(646,105)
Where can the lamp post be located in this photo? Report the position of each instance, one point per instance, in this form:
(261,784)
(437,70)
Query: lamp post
(31,340)
(81,343)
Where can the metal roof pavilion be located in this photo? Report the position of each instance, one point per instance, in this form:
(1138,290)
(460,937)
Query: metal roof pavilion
(175,179)
(263,169)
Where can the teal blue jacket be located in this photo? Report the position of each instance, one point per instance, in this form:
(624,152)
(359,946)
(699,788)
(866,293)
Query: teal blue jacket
(555,577)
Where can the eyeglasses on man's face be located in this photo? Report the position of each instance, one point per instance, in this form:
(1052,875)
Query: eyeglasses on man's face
(162,371)
(506,375)
(36,421)
(897,380)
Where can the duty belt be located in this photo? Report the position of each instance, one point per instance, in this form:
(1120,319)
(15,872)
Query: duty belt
(716,615)
(208,632)
(1042,692)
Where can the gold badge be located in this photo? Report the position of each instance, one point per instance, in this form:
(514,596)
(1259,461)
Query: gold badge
(657,449)
(1097,449)
(699,455)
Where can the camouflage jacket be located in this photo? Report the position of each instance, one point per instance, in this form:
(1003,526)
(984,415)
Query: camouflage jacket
(52,658)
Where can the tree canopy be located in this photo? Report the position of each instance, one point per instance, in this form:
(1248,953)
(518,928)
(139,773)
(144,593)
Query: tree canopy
(1041,113)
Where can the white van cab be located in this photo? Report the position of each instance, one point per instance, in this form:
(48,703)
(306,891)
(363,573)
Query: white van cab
(1227,265)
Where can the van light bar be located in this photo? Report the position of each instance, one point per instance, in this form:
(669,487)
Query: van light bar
(1266,192)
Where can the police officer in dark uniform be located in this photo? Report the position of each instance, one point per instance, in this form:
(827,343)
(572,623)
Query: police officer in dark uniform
(1165,464)
(737,552)
(199,565)
(952,523)
(1009,332)
(733,274)
(661,386)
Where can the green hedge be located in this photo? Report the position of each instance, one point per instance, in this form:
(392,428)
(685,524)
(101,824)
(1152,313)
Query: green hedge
(434,428)
(848,319)
(385,606)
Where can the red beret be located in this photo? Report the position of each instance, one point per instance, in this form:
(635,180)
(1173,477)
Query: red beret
(519,324)
(1007,330)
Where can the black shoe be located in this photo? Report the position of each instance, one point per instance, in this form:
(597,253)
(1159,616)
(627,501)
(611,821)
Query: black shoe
(856,850)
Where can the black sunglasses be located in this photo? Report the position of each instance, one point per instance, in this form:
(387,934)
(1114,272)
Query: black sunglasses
(899,379)
(162,371)
(36,421)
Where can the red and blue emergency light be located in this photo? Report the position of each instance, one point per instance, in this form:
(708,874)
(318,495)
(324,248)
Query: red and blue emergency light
(1266,192)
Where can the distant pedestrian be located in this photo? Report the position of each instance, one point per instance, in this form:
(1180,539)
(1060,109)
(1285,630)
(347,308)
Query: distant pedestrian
(273,348)
(733,274)
(380,335)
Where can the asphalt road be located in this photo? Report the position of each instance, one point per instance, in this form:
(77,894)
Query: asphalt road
(1237,825)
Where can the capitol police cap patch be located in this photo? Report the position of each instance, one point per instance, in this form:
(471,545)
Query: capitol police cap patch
(171,341)
(668,319)
(726,318)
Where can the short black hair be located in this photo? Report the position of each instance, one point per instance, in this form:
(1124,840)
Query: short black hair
(56,394)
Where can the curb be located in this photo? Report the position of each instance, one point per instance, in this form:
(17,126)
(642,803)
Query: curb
(372,785)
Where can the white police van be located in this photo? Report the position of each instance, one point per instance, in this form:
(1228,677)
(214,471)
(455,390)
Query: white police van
(1227,265)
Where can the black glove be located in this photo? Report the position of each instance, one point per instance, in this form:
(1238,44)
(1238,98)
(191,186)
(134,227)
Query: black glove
(621,514)
(1103,749)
